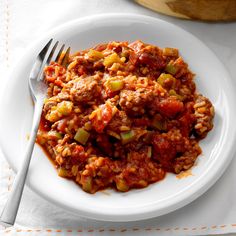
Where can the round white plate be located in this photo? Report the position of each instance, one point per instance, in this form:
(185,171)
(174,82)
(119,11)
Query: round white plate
(160,198)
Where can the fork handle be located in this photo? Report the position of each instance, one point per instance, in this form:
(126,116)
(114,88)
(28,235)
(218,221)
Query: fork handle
(9,212)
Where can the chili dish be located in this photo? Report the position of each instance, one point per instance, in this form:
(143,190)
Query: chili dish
(122,115)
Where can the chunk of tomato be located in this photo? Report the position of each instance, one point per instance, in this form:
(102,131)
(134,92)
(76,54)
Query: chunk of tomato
(78,155)
(99,121)
(170,107)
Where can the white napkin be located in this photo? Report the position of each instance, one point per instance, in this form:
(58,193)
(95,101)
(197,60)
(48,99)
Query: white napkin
(21,22)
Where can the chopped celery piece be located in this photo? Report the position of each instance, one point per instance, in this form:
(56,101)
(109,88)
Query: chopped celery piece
(171,52)
(122,185)
(54,134)
(127,137)
(74,170)
(63,172)
(81,136)
(172,92)
(170,68)
(65,107)
(115,85)
(53,116)
(164,77)
(149,152)
(87,184)
(88,126)
(109,60)
(95,54)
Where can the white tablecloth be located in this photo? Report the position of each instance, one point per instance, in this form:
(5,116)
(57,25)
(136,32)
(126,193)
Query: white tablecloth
(24,21)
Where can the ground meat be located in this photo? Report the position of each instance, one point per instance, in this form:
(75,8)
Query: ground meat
(167,146)
(134,102)
(96,174)
(204,113)
(67,125)
(148,55)
(188,158)
(174,151)
(49,104)
(85,90)
(140,166)
(119,122)
(182,68)
(67,153)
(134,146)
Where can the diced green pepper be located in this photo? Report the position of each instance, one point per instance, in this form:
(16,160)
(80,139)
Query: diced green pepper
(172,92)
(115,85)
(62,172)
(149,152)
(82,136)
(54,134)
(74,169)
(95,54)
(164,77)
(171,52)
(87,184)
(53,116)
(170,68)
(109,60)
(65,107)
(88,126)
(122,185)
(127,137)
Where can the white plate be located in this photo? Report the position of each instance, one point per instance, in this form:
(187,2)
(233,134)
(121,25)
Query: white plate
(159,198)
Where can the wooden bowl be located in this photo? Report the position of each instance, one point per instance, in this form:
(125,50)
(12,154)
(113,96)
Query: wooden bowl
(206,10)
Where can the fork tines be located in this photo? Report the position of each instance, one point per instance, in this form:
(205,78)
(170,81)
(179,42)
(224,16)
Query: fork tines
(43,60)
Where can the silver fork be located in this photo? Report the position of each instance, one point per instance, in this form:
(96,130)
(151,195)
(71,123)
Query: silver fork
(38,90)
